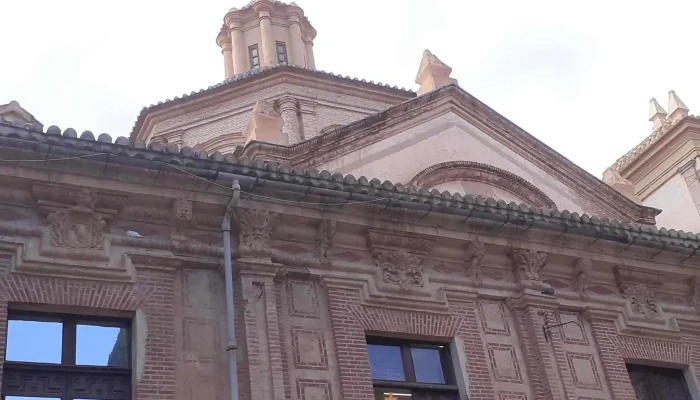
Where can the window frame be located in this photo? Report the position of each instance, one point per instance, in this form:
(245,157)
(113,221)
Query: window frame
(68,368)
(410,383)
(252,57)
(283,53)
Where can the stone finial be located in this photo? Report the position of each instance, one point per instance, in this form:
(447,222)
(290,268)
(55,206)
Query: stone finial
(613,178)
(433,73)
(265,125)
(657,115)
(676,108)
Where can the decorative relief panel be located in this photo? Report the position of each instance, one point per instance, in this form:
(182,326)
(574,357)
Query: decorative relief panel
(476,253)
(200,339)
(506,395)
(573,332)
(309,348)
(254,228)
(583,370)
(504,363)
(527,265)
(198,289)
(201,387)
(401,269)
(493,319)
(29,384)
(582,273)
(313,389)
(303,299)
(96,387)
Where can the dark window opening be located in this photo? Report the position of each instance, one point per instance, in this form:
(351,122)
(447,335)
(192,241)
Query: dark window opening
(66,357)
(281,53)
(411,370)
(654,383)
(254,56)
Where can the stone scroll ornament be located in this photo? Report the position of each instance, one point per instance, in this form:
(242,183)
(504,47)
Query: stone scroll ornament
(400,268)
(582,273)
(476,253)
(326,233)
(254,228)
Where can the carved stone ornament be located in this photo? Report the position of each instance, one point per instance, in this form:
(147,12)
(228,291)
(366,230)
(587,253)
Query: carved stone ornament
(326,233)
(642,300)
(582,274)
(694,297)
(181,216)
(476,253)
(400,268)
(254,228)
(79,227)
(385,240)
(527,265)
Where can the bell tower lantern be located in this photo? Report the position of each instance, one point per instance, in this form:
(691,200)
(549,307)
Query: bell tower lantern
(264,33)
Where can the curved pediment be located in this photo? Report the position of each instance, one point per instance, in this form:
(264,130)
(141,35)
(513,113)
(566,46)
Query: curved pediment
(481,179)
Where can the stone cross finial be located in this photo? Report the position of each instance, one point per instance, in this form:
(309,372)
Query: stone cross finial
(265,125)
(433,73)
(676,108)
(657,115)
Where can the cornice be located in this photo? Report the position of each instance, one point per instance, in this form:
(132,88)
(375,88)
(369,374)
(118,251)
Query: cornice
(324,148)
(262,78)
(477,172)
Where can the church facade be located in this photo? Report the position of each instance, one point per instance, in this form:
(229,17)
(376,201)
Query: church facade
(290,233)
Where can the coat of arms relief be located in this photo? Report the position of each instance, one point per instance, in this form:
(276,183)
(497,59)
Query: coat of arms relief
(78,227)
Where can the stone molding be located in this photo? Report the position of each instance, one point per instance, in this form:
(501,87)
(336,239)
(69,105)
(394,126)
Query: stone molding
(453,171)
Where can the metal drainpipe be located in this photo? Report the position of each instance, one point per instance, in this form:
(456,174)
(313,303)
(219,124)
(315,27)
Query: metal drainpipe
(228,276)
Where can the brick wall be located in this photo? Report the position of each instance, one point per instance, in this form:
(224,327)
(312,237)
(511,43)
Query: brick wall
(153,294)
(318,109)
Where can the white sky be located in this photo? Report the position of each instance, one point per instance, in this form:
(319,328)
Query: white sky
(576,75)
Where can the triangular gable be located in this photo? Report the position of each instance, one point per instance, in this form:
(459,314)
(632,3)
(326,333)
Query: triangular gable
(12,111)
(488,152)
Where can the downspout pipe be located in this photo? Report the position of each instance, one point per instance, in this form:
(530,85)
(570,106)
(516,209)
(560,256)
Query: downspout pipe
(231,346)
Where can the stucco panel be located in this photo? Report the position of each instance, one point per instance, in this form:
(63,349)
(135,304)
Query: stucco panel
(447,138)
(674,198)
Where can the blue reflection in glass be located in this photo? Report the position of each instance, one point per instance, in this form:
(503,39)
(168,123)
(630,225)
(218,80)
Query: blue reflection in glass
(30,398)
(101,345)
(427,365)
(34,341)
(385,362)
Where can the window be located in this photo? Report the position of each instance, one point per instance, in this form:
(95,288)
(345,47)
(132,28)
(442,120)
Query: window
(654,383)
(410,370)
(281,52)
(254,56)
(66,357)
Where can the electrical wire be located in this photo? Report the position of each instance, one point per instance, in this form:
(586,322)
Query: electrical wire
(55,159)
(208,181)
(272,198)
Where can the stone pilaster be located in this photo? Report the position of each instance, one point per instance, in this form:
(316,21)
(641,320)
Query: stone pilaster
(267,40)
(239,50)
(224,41)
(289,111)
(297,48)
(310,61)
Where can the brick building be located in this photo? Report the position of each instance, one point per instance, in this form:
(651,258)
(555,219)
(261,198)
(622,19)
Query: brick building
(293,234)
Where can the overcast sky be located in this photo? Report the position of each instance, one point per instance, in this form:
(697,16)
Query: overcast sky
(577,75)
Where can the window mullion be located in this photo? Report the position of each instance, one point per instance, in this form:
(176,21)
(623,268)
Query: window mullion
(69,342)
(408,363)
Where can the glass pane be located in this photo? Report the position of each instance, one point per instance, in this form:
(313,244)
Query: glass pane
(102,345)
(34,341)
(381,393)
(385,362)
(427,364)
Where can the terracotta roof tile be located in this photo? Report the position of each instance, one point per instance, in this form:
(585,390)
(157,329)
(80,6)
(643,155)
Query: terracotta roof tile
(29,137)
